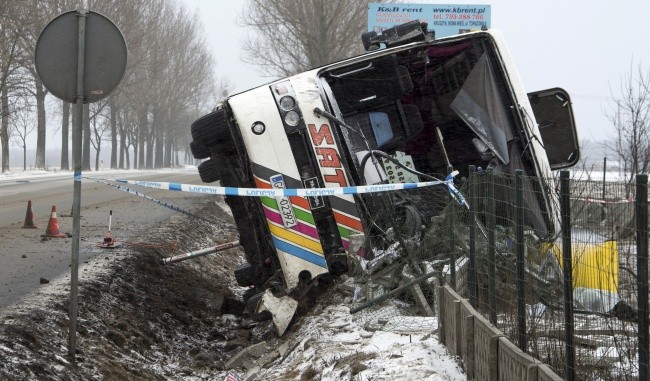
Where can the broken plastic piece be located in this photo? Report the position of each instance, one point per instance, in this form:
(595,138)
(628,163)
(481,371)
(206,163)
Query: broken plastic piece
(282,310)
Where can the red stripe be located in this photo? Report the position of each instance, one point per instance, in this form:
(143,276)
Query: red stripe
(348,222)
(261,184)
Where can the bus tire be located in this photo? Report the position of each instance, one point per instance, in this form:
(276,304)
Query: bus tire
(199,151)
(211,130)
(208,171)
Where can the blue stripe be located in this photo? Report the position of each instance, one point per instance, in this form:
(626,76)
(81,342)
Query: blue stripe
(300,253)
(230,191)
(175,186)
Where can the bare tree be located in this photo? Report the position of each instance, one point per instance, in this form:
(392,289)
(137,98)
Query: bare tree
(293,36)
(34,16)
(99,126)
(28,18)
(630,116)
(11,31)
(132,18)
(65,135)
(22,119)
(169,68)
(190,70)
(85,141)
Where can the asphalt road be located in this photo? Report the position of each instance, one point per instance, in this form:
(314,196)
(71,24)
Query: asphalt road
(26,257)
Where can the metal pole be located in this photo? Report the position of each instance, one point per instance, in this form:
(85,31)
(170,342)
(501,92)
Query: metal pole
(520,249)
(642,273)
(604,175)
(76,202)
(491,226)
(472,236)
(452,241)
(603,215)
(200,253)
(567,266)
(395,291)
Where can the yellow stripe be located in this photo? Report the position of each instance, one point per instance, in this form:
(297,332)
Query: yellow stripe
(296,238)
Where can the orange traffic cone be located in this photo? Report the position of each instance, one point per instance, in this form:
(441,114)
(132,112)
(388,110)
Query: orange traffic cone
(29,217)
(53,226)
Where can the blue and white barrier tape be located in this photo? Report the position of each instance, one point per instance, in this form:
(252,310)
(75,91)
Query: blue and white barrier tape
(301,192)
(162,203)
(453,191)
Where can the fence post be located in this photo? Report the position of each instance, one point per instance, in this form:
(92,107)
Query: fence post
(602,211)
(452,240)
(491,226)
(472,236)
(567,269)
(520,252)
(642,271)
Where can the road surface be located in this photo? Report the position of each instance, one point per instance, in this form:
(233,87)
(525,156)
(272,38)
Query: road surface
(26,257)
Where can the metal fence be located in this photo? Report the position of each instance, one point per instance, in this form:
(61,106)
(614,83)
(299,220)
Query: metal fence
(559,266)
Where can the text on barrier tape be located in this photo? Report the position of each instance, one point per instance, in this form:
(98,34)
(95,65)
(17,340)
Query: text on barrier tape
(306,192)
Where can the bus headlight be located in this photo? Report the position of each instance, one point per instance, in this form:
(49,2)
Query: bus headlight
(292,118)
(287,103)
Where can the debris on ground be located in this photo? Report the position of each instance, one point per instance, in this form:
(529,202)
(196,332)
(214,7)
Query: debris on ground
(139,319)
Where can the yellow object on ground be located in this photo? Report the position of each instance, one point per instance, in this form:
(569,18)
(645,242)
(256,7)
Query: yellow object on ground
(595,265)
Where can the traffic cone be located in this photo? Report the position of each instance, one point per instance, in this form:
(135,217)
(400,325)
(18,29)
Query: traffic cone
(53,226)
(29,217)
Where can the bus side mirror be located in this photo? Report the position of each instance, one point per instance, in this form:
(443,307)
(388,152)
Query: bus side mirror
(554,115)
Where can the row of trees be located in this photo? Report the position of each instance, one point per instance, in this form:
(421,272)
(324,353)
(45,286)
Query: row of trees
(169,79)
(169,82)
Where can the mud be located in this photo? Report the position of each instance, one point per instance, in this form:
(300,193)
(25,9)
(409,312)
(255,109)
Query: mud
(139,319)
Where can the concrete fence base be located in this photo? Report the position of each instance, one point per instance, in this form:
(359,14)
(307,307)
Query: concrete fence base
(486,352)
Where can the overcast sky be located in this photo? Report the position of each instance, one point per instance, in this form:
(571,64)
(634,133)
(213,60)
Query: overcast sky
(583,46)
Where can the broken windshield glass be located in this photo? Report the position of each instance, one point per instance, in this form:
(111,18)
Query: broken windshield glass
(479,105)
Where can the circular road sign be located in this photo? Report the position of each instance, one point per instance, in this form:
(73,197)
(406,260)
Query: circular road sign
(56,56)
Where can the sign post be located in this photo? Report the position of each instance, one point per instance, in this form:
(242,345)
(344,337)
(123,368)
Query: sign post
(76,198)
(92,44)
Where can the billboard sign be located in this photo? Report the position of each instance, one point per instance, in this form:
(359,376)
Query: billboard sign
(444,19)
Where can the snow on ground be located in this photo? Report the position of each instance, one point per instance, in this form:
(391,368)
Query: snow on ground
(18,173)
(139,320)
(331,344)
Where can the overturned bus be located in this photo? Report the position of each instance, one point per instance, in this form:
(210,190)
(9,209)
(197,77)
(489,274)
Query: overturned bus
(405,113)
